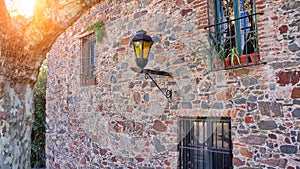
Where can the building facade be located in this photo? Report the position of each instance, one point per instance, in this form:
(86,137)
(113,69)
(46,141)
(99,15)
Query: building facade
(102,114)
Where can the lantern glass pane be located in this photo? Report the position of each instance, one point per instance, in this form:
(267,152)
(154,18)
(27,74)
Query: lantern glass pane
(147,46)
(138,48)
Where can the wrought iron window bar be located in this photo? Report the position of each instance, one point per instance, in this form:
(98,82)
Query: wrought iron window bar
(202,146)
(239,18)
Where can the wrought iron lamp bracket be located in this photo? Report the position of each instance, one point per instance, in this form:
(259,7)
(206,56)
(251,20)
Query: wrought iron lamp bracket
(167,93)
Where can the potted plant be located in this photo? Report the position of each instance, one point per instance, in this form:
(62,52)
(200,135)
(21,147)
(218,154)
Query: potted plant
(232,59)
(214,50)
(250,49)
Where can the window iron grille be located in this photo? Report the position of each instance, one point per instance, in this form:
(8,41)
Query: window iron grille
(233,30)
(88,60)
(205,143)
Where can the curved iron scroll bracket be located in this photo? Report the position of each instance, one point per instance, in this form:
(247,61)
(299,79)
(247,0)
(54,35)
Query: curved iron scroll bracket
(167,93)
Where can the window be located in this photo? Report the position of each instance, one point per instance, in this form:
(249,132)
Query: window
(88,60)
(232,31)
(205,143)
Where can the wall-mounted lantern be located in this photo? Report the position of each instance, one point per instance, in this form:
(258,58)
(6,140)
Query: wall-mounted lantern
(142,44)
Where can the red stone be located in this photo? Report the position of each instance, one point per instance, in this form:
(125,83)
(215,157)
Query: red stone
(122,123)
(179,2)
(57,166)
(77,143)
(286,78)
(103,151)
(95,151)
(237,162)
(245,152)
(137,127)
(197,80)
(139,159)
(100,107)
(296,93)
(185,11)
(288,124)
(114,159)
(283,29)
(295,77)
(283,78)
(83,160)
(169,122)
(121,49)
(152,133)
(125,41)
(147,144)
(159,126)
(249,120)
(167,162)
(144,84)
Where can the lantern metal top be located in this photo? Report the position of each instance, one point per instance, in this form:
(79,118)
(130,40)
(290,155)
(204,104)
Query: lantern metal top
(141,35)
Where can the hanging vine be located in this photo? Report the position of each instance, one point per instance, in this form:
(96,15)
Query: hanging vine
(99,28)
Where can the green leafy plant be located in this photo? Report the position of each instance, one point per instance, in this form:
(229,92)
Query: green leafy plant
(38,129)
(233,53)
(99,28)
(214,50)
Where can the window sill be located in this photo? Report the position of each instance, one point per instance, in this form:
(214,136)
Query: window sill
(239,67)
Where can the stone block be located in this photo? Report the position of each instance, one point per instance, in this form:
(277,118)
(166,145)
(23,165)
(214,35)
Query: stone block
(267,125)
(158,146)
(283,29)
(159,126)
(288,77)
(295,93)
(293,47)
(249,81)
(274,162)
(245,152)
(289,149)
(296,113)
(137,97)
(271,109)
(237,162)
(254,139)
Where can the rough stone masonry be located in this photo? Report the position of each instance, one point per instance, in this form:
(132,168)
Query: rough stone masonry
(125,122)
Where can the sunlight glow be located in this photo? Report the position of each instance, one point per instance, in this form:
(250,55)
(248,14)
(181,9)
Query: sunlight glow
(20,7)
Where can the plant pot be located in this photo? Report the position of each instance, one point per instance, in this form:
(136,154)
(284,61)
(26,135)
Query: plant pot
(218,64)
(254,58)
(249,59)
(245,60)
(228,62)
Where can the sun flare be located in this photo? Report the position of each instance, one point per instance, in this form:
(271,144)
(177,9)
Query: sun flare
(20,7)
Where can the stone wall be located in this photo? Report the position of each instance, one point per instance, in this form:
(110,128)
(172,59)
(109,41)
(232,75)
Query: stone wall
(125,121)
